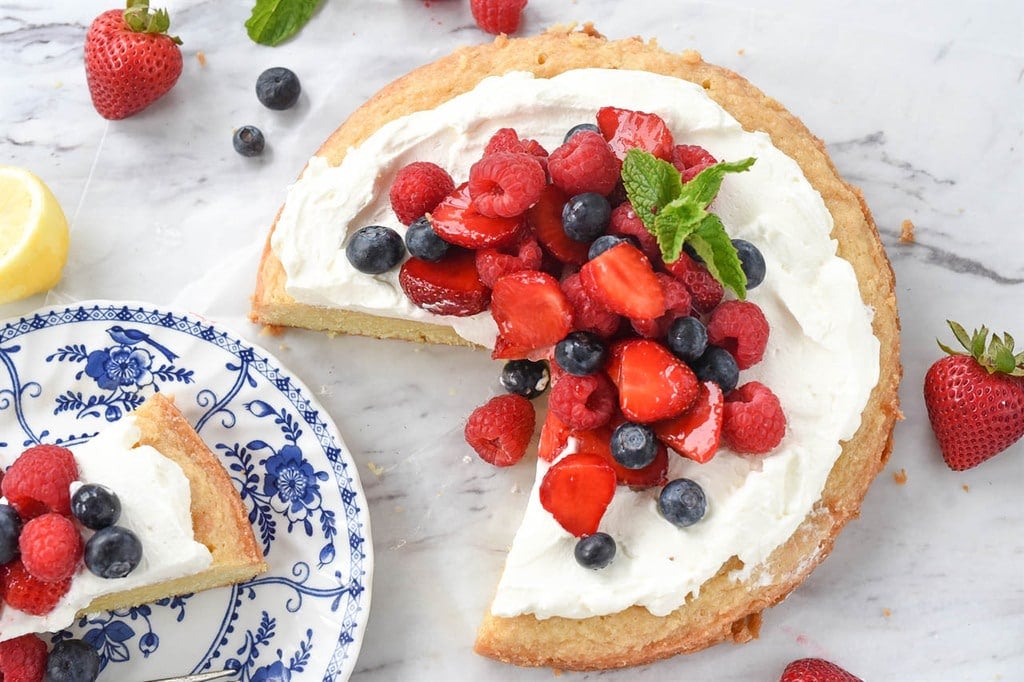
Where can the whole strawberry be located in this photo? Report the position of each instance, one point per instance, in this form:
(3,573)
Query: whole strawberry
(815,670)
(975,400)
(130,61)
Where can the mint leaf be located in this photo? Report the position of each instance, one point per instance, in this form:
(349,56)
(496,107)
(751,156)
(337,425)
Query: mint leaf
(705,185)
(712,244)
(274,21)
(650,183)
(673,224)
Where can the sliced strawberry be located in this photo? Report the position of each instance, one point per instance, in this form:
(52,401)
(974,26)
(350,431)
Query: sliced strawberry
(450,286)
(458,222)
(531,312)
(653,384)
(677,304)
(622,280)
(545,219)
(576,490)
(625,129)
(588,314)
(696,432)
(554,434)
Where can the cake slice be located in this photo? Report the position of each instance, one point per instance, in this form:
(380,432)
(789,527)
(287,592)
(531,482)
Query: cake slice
(175,496)
(219,519)
(536,85)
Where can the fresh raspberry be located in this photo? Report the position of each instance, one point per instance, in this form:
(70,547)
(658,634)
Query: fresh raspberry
(417,189)
(816,670)
(505,184)
(677,304)
(585,402)
(29,594)
(51,547)
(500,429)
(584,163)
(626,223)
(507,140)
(588,314)
(691,159)
(753,421)
(23,659)
(707,292)
(741,328)
(497,16)
(495,263)
(38,481)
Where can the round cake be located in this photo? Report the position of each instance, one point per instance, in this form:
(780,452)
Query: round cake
(829,297)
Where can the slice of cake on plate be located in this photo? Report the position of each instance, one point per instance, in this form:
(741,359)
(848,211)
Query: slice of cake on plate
(704,158)
(173,525)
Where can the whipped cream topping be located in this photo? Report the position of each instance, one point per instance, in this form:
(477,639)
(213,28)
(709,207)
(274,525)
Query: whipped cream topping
(155,504)
(821,361)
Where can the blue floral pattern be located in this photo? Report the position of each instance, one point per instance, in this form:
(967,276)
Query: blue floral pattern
(64,372)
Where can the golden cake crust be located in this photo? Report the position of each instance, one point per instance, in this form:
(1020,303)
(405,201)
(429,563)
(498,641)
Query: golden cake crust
(726,609)
(219,519)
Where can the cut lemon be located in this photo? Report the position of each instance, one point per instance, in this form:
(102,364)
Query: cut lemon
(33,235)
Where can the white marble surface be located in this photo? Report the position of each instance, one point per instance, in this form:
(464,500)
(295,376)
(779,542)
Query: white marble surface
(920,103)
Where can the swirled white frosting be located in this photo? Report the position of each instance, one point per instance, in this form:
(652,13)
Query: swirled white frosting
(822,360)
(155,504)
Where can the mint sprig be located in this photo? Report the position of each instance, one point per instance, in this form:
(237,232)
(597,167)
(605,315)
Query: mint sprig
(274,21)
(676,212)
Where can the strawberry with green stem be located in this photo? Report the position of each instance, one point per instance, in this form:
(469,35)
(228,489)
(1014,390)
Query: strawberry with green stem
(130,61)
(975,399)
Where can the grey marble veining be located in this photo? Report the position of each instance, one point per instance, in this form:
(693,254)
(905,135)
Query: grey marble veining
(921,104)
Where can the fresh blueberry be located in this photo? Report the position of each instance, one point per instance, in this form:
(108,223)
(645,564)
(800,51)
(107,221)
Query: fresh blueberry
(585,217)
(95,506)
(603,243)
(525,377)
(374,249)
(10,529)
(682,502)
(751,261)
(592,127)
(113,552)
(634,446)
(423,242)
(595,551)
(581,353)
(72,660)
(248,141)
(278,88)
(687,338)
(717,365)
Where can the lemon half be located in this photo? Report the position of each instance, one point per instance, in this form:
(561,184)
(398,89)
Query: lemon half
(33,235)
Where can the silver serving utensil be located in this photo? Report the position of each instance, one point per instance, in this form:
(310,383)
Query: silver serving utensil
(212,676)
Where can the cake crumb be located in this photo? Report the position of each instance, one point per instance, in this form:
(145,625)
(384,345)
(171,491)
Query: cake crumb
(741,51)
(886,612)
(375,469)
(283,347)
(399,509)
(966,488)
(907,232)
(900,476)
(201,56)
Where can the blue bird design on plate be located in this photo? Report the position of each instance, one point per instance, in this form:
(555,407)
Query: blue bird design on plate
(130,337)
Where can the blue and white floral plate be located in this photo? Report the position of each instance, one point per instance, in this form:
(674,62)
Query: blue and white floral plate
(67,372)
